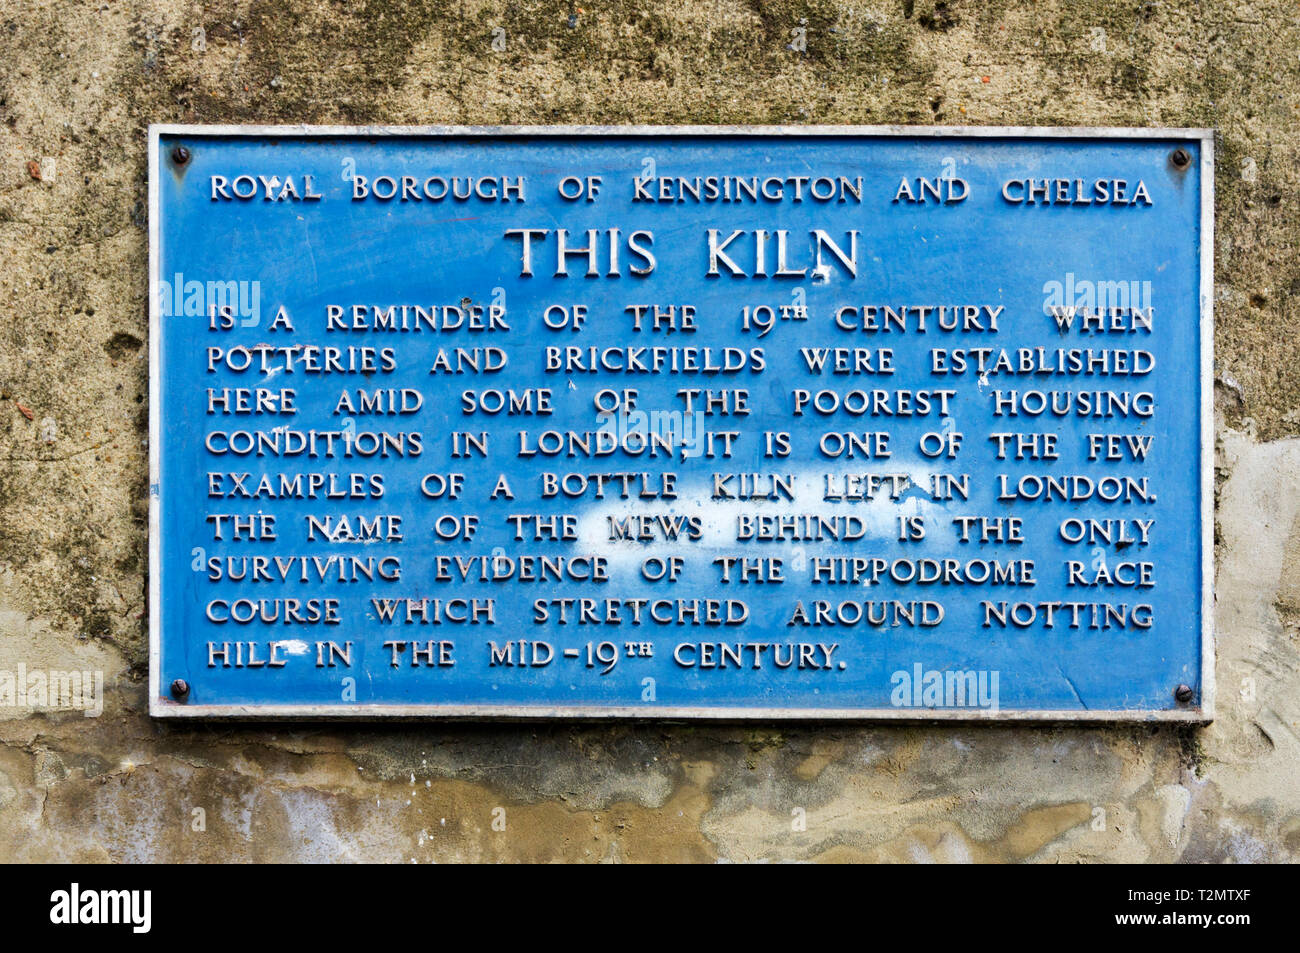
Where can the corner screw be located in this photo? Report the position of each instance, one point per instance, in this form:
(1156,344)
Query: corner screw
(180,155)
(1181,158)
(1184,694)
(180,689)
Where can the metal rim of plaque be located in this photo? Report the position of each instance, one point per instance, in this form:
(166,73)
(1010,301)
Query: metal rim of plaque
(162,705)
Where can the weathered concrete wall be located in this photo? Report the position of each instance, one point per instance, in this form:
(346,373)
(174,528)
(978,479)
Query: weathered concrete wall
(80,81)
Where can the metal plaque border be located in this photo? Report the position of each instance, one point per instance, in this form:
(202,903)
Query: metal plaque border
(161,706)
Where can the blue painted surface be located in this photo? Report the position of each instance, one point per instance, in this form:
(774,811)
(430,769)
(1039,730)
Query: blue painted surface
(308,255)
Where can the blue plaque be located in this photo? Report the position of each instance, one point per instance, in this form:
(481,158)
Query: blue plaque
(816,423)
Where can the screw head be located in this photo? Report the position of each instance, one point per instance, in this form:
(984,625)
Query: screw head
(180,689)
(1184,694)
(180,155)
(1181,158)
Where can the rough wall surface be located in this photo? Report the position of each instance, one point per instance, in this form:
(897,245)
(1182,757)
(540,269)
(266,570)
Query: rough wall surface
(80,82)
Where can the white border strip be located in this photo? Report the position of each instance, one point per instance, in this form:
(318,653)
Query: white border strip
(956,132)
(1206,250)
(161,706)
(663,713)
(155,444)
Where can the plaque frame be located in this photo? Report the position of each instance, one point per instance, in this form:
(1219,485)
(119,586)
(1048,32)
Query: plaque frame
(163,706)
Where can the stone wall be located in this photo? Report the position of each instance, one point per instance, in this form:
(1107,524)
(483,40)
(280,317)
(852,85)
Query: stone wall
(80,82)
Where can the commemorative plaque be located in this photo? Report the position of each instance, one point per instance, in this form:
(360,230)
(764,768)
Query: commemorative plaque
(681,422)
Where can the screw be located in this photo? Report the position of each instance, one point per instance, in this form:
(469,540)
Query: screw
(180,155)
(1184,694)
(180,689)
(1181,158)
